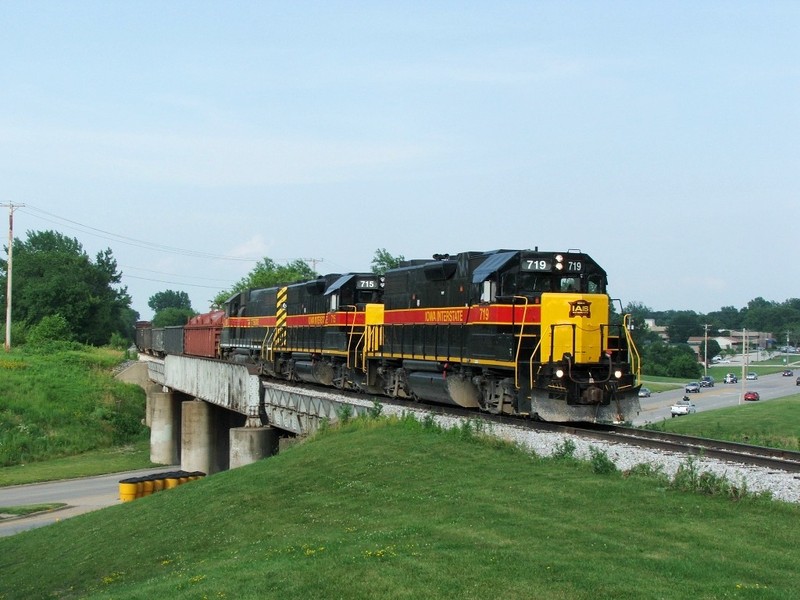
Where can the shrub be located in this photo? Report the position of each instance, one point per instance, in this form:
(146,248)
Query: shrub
(565,450)
(601,463)
(53,328)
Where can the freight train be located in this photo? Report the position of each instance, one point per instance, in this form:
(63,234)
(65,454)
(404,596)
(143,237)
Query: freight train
(519,332)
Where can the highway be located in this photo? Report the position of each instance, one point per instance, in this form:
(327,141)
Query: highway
(722,395)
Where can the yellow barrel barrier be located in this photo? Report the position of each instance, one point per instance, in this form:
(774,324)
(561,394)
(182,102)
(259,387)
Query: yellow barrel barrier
(127,489)
(171,480)
(138,487)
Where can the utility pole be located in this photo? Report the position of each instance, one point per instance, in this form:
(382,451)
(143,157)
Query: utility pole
(11,208)
(786,351)
(745,356)
(705,348)
(313,262)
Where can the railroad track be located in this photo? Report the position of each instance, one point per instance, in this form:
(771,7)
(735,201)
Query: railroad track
(757,456)
(742,454)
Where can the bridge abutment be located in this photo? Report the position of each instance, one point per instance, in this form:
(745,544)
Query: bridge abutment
(249,444)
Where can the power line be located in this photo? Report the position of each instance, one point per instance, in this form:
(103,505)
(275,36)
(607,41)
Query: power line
(123,239)
(170,274)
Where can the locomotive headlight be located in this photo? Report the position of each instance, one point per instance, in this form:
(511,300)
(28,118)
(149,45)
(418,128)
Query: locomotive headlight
(618,374)
(559,373)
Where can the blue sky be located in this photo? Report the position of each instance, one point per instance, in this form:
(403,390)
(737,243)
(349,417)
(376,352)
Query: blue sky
(660,137)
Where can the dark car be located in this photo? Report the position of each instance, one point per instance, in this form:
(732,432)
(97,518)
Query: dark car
(798,381)
(751,396)
(707,381)
(787,373)
(692,388)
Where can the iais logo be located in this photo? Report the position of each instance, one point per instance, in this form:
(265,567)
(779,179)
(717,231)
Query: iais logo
(580,308)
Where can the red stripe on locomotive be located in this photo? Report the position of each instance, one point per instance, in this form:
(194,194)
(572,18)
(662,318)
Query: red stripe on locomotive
(495,314)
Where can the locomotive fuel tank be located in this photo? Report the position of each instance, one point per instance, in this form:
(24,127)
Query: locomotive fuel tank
(431,381)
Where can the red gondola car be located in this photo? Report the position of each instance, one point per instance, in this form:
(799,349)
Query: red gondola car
(202,333)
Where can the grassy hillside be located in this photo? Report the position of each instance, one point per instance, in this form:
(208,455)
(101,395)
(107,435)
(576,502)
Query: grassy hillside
(773,424)
(64,401)
(388,509)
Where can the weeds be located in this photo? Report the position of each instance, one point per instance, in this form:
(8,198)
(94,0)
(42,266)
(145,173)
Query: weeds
(565,450)
(344,412)
(375,410)
(601,463)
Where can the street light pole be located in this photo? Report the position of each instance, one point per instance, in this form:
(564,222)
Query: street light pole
(705,349)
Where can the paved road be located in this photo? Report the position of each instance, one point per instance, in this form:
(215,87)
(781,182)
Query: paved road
(81,495)
(657,407)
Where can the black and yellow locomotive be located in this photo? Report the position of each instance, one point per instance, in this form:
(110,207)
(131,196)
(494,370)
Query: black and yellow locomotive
(509,331)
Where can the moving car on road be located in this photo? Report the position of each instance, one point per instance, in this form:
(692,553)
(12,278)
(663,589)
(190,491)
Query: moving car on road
(692,388)
(707,381)
(751,396)
(730,378)
(752,376)
(787,373)
(644,392)
(683,407)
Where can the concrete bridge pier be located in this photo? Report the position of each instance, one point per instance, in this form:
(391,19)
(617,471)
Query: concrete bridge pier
(249,444)
(198,437)
(150,389)
(165,425)
(205,441)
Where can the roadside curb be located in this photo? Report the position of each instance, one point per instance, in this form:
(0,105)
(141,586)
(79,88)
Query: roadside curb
(11,518)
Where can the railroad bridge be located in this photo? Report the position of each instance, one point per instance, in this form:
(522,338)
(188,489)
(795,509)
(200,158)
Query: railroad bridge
(209,415)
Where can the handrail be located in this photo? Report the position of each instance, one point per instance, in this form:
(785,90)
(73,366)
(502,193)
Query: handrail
(519,341)
(634,357)
(352,330)
(269,350)
(530,374)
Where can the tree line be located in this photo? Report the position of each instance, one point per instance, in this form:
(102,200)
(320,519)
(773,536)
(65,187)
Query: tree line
(60,292)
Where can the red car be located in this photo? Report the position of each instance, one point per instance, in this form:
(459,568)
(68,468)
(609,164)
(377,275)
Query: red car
(751,396)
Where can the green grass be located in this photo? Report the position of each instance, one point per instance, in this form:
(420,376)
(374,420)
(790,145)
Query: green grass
(96,462)
(773,424)
(17,511)
(388,509)
(65,402)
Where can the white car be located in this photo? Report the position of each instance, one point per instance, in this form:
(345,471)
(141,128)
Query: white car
(752,376)
(683,407)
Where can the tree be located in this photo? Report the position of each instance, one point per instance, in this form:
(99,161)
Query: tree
(683,325)
(54,275)
(169,299)
(171,315)
(268,273)
(713,349)
(670,360)
(383,261)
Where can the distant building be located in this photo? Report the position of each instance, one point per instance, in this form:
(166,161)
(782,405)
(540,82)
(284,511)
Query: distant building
(660,330)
